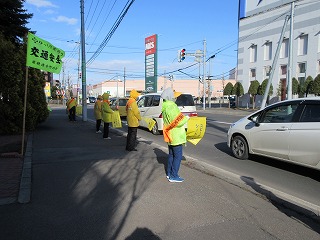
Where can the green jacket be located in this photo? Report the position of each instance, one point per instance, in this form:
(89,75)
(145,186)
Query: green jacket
(170,112)
(106,112)
(71,103)
(97,110)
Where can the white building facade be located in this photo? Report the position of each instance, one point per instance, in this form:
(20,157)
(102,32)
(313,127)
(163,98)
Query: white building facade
(192,86)
(260,26)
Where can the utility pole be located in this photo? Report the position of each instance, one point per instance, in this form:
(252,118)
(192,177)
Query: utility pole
(83,64)
(209,81)
(204,73)
(62,86)
(171,79)
(164,81)
(78,79)
(198,59)
(274,63)
(124,82)
(289,71)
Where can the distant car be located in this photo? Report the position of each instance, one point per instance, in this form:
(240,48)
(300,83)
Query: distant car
(287,131)
(150,106)
(120,105)
(232,101)
(111,100)
(91,99)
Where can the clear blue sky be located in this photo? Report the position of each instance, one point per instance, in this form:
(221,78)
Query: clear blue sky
(178,23)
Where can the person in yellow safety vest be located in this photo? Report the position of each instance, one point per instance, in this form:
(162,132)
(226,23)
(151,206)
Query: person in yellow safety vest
(133,117)
(71,106)
(98,113)
(106,115)
(173,132)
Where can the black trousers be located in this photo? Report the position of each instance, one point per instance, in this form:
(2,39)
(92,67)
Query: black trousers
(98,124)
(72,114)
(105,130)
(131,138)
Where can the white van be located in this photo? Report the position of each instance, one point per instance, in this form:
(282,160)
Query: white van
(150,106)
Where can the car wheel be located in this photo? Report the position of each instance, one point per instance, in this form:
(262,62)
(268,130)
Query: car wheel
(155,130)
(239,147)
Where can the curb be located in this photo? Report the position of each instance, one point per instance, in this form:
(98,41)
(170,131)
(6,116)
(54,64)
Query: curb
(271,194)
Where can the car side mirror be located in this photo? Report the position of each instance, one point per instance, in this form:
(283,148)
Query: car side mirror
(255,121)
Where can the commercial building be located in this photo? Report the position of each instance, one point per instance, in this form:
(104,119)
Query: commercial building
(260,27)
(192,86)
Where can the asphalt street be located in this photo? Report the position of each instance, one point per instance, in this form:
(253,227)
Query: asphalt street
(86,187)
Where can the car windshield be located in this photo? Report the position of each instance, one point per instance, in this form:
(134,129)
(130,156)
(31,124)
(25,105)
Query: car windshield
(185,100)
(123,102)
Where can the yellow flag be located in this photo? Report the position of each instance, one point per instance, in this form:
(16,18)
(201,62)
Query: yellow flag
(116,120)
(150,122)
(196,129)
(79,110)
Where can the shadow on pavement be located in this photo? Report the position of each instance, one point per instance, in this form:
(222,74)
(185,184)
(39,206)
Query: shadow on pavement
(83,187)
(143,233)
(285,206)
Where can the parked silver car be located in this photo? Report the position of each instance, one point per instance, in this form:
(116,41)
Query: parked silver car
(287,131)
(150,106)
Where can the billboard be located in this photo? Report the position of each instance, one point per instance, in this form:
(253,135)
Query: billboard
(151,63)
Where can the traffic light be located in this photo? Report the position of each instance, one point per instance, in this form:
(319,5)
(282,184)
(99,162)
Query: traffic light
(182,54)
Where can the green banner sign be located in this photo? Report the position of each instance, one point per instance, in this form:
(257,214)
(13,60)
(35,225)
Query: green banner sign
(151,59)
(43,55)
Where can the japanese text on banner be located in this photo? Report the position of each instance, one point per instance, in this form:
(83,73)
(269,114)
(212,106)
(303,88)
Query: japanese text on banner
(43,55)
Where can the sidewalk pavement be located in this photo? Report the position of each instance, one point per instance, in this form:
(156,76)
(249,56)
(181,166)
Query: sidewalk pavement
(81,186)
(12,162)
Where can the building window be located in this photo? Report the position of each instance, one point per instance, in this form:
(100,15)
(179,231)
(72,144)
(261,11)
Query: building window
(303,45)
(253,73)
(253,53)
(267,70)
(301,80)
(284,52)
(283,69)
(268,51)
(302,67)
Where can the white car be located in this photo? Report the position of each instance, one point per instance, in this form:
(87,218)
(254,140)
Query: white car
(150,106)
(287,131)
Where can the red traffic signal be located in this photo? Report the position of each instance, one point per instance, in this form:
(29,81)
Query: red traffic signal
(182,55)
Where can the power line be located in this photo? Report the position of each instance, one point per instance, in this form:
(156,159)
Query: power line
(111,32)
(97,18)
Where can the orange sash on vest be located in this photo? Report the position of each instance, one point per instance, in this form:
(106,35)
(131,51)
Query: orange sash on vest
(72,99)
(173,124)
